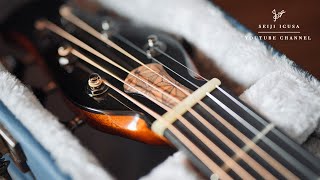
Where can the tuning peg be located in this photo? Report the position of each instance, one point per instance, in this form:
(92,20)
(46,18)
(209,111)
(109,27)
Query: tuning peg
(96,87)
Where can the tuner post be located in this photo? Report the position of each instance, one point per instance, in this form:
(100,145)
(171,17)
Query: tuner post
(94,81)
(108,29)
(64,51)
(154,46)
(152,40)
(40,24)
(96,86)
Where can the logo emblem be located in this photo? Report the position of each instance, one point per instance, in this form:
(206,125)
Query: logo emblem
(277,15)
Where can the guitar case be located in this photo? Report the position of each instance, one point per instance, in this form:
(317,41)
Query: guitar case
(264,78)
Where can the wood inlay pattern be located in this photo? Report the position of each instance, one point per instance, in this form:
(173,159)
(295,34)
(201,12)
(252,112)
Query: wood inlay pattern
(158,77)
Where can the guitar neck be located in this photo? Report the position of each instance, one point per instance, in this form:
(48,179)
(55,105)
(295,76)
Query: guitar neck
(241,142)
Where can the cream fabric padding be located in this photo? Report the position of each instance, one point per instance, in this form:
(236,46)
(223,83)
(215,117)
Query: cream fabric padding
(70,156)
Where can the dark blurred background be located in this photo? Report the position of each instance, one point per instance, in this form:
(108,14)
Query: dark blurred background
(304,13)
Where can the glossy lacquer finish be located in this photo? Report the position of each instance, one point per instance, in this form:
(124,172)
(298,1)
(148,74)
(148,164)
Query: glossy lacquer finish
(110,112)
(132,127)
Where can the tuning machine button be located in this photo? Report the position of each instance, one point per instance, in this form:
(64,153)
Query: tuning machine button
(96,87)
(154,47)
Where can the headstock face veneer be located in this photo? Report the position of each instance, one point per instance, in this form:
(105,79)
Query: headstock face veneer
(72,74)
(155,80)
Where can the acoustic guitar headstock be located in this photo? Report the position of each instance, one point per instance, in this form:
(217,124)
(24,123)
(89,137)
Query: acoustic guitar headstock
(83,51)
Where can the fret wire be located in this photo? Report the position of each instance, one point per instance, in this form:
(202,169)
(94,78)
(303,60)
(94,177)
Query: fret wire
(263,133)
(260,119)
(233,147)
(269,159)
(277,149)
(66,13)
(248,146)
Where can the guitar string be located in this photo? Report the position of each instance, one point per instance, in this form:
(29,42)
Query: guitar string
(69,37)
(176,61)
(271,144)
(65,52)
(66,13)
(126,41)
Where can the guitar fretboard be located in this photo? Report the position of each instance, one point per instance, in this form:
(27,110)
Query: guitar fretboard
(243,143)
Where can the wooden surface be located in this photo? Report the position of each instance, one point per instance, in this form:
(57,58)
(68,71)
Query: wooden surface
(125,126)
(150,73)
(306,14)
